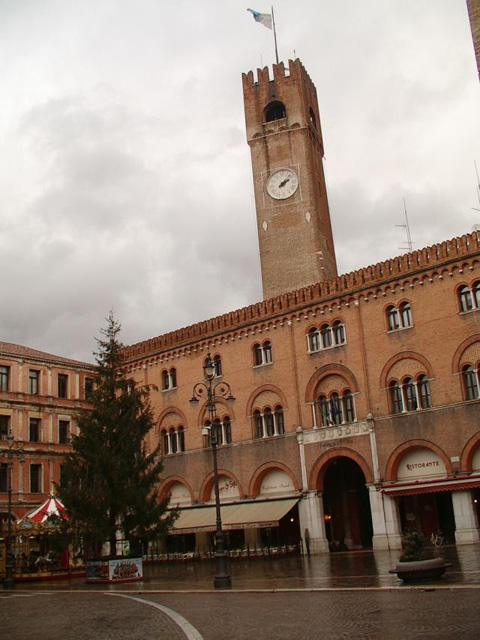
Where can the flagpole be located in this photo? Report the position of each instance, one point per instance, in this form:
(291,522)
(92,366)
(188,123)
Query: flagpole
(275,35)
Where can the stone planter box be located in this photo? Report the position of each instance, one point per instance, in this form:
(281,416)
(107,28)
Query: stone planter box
(114,569)
(420,569)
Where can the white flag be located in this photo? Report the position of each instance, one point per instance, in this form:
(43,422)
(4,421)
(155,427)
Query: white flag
(263,18)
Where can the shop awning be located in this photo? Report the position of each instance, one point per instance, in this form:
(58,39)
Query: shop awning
(443,484)
(245,515)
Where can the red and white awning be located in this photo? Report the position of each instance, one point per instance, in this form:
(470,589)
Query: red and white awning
(434,486)
(51,507)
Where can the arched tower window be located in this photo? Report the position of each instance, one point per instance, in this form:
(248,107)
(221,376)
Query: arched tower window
(313,120)
(275,111)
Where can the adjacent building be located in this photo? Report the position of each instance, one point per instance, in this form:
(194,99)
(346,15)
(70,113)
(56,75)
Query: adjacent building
(40,395)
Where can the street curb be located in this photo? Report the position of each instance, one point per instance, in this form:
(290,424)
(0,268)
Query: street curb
(426,587)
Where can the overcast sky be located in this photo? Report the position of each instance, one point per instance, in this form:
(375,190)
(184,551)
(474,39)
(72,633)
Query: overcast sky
(125,177)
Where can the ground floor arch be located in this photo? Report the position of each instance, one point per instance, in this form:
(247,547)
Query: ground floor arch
(346,505)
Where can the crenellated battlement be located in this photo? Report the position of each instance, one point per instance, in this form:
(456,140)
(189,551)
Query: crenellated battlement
(344,286)
(295,70)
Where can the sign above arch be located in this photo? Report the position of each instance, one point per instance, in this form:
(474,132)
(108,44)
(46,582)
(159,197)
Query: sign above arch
(276,481)
(420,463)
(227,488)
(179,495)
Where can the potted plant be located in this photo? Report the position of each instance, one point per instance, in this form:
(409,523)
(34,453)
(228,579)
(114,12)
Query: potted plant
(415,562)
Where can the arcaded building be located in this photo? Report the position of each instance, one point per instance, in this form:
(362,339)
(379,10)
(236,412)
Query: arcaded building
(40,397)
(356,412)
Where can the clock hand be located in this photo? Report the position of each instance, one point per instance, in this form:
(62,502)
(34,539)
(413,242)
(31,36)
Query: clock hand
(284,182)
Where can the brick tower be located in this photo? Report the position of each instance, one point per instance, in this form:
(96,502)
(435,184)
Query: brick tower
(285,138)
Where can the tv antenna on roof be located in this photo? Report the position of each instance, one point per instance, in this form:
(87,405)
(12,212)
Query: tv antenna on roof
(406,226)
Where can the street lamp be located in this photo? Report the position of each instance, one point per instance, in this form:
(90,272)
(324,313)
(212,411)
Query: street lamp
(9,580)
(211,392)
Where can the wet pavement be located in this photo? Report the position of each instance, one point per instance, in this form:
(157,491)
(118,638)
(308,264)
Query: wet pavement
(353,570)
(327,597)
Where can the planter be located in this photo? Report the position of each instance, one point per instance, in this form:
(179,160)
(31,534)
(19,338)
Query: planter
(420,569)
(114,570)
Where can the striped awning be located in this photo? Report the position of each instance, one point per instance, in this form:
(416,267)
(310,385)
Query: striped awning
(244,515)
(434,486)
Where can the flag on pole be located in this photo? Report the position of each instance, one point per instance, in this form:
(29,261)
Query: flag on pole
(263,18)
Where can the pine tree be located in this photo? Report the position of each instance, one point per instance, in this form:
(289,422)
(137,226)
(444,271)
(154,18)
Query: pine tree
(109,480)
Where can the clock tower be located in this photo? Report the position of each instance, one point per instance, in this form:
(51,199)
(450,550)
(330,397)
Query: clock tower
(285,138)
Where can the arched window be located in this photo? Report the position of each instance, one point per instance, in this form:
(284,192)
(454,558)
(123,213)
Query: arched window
(349,406)
(181,439)
(279,420)
(313,337)
(269,423)
(476,294)
(165,380)
(172,437)
(392,318)
(257,355)
(338,332)
(326,333)
(169,379)
(324,410)
(258,421)
(267,352)
(217,363)
(405,314)
(396,397)
(336,414)
(313,120)
(269,426)
(262,354)
(165,440)
(275,111)
(465,298)
(423,387)
(223,431)
(410,394)
(227,430)
(470,382)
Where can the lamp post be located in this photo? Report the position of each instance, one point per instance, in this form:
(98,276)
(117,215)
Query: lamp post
(9,580)
(211,392)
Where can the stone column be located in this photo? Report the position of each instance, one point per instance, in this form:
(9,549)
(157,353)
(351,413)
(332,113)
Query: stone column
(465,518)
(385,521)
(310,509)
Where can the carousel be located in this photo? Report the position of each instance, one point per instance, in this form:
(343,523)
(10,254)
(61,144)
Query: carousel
(41,549)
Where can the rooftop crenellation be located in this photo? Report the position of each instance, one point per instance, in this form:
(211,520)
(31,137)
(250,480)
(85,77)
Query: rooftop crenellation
(349,283)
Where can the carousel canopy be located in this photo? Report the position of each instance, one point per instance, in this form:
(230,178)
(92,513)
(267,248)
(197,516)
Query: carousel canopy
(51,507)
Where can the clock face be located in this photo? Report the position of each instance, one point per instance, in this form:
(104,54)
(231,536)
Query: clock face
(282,184)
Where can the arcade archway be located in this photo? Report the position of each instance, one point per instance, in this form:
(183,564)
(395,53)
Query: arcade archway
(348,519)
